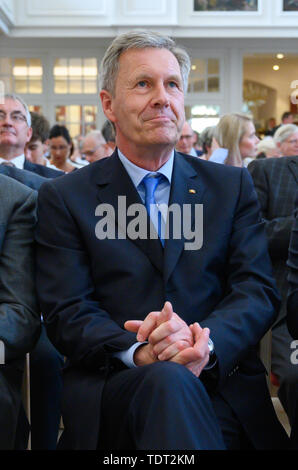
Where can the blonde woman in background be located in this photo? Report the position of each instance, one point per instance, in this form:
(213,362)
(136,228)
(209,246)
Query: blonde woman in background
(235,140)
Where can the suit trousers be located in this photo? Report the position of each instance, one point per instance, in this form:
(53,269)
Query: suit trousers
(161,406)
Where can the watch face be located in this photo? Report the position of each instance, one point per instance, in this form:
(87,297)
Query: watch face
(210,346)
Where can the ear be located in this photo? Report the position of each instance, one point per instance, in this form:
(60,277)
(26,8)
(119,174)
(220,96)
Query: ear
(107,104)
(29,134)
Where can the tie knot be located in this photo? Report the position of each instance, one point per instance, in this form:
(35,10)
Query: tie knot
(150,182)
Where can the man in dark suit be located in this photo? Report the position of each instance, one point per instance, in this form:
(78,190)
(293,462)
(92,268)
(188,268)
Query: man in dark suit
(292,301)
(28,178)
(276,183)
(19,315)
(15,132)
(45,361)
(132,311)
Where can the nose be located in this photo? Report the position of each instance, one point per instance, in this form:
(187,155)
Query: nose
(160,97)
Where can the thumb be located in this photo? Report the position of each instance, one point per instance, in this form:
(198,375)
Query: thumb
(166,313)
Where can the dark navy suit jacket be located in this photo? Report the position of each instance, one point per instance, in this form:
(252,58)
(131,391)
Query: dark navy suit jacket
(89,287)
(42,170)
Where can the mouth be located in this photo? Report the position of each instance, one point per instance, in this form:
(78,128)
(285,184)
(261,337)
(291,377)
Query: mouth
(7,132)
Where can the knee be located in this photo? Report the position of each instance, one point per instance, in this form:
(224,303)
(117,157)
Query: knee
(169,375)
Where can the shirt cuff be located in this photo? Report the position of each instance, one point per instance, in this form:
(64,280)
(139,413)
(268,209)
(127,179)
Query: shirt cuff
(127,356)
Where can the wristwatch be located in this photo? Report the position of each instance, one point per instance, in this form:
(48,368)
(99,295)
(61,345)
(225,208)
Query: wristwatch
(211,347)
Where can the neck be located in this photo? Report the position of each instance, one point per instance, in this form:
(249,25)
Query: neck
(8,153)
(150,159)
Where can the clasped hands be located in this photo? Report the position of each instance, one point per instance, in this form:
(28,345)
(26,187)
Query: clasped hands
(170,339)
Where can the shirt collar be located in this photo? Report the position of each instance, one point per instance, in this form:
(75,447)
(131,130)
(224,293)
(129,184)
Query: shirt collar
(137,174)
(17,161)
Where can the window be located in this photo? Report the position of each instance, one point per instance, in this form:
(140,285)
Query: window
(75,75)
(21,75)
(202,116)
(35,108)
(204,76)
(78,119)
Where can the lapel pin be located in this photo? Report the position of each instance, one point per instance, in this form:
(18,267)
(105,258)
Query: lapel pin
(192,191)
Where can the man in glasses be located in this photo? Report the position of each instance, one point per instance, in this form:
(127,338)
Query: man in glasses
(15,132)
(186,140)
(95,147)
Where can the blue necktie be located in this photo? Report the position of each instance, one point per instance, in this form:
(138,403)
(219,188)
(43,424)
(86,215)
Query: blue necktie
(150,183)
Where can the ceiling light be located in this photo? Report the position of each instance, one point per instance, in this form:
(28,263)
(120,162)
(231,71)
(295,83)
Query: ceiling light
(275,67)
(280,56)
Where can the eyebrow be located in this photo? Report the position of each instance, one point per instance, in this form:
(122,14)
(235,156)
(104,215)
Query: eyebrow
(147,76)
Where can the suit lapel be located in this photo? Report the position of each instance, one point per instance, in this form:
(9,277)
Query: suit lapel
(113,181)
(293,166)
(186,188)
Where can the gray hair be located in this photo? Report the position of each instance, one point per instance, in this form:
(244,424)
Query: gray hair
(139,40)
(206,137)
(14,97)
(284,132)
(266,144)
(97,135)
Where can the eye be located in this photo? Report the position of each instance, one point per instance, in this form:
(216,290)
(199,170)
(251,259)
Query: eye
(173,84)
(142,84)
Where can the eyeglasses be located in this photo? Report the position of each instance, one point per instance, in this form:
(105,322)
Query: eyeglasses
(186,137)
(15,116)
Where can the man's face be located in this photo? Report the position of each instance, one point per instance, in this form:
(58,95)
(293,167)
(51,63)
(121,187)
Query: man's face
(185,142)
(289,147)
(35,150)
(148,106)
(94,149)
(14,130)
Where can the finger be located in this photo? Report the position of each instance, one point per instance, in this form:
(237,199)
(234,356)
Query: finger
(171,351)
(167,333)
(148,325)
(133,325)
(166,313)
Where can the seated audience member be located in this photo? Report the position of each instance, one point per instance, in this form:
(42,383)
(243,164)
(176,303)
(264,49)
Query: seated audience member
(61,146)
(160,337)
(108,133)
(292,301)
(286,140)
(76,153)
(286,118)
(206,140)
(185,142)
(15,133)
(197,144)
(270,127)
(267,148)
(45,361)
(19,313)
(94,147)
(37,147)
(276,183)
(235,141)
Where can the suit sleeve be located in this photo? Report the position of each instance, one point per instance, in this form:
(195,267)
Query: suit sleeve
(250,304)
(76,324)
(292,317)
(19,313)
(278,229)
